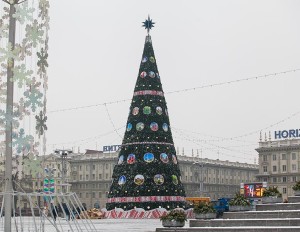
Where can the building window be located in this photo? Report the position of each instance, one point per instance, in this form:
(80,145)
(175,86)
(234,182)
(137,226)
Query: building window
(265,158)
(265,179)
(274,168)
(274,179)
(80,168)
(94,194)
(86,177)
(294,167)
(283,156)
(284,179)
(294,178)
(100,176)
(106,176)
(94,167)
(293,156)
(274,157)
(94,176)
(284,190)
(284,168)
(265,169)
(80,195)
(80,177)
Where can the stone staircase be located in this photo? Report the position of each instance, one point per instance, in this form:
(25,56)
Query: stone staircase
(280,217)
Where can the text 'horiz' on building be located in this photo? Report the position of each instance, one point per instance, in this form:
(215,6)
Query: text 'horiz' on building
(284,134)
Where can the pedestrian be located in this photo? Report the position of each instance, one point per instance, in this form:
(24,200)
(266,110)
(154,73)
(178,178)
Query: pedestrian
(54,211)
(67,211)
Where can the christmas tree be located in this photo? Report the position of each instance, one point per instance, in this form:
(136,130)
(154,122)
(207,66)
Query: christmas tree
(147,174)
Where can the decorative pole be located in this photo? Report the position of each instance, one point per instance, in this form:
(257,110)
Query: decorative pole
(9,111)
(17,58)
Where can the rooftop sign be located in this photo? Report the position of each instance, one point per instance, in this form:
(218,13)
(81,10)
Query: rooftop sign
(294,133)
(111,148)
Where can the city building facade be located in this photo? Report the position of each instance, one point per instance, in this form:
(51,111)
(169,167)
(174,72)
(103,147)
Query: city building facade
(279,163)
(90,176)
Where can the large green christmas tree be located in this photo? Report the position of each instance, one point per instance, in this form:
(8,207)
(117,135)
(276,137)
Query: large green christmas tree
(147,174)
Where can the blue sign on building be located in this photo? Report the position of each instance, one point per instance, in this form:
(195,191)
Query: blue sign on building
(294,133)
(111,148)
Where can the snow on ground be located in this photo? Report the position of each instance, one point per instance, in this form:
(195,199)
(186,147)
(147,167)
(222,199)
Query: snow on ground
(105,225)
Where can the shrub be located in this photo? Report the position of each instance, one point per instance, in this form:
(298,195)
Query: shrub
(239,200)
(174,215)
(296,186)
(203,208)
(271,192)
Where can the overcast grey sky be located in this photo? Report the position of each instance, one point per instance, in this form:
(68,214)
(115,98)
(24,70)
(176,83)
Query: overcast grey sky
(95,53)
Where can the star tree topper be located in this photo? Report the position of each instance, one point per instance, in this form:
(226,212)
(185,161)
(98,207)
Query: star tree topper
(148,24)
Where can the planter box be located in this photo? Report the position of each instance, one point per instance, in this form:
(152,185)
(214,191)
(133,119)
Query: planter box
(173,223)
(239,208)
(271,200)
(297,192)
(205,215)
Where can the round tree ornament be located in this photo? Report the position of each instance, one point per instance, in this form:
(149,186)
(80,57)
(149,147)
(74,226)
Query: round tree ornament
(122,180)
(131,159)
(135,110)
(165,127)
(164,158)
(148,157)
(121,159)
(143,74)
(174,159)
(140,126)
(154,126)
(145,59)
(129,127)
(174,179)
(159,110)
(151,74)
(152,59)
(159,179)
(139,179)
(147,110)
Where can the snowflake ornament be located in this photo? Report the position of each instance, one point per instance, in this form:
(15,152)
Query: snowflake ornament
(44,7)
(33,164)
(22,75)
(24,49)
(3,29)
(41,123)
(9,54)
(21,141)
(34,33)
(9,118)
(22,109)
(6,13)
(42,62)
(34,98)
(23,13)
(2,92)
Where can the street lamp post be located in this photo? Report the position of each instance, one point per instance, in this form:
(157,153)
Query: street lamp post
(64,156)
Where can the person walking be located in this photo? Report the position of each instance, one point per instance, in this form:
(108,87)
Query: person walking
(54,211)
